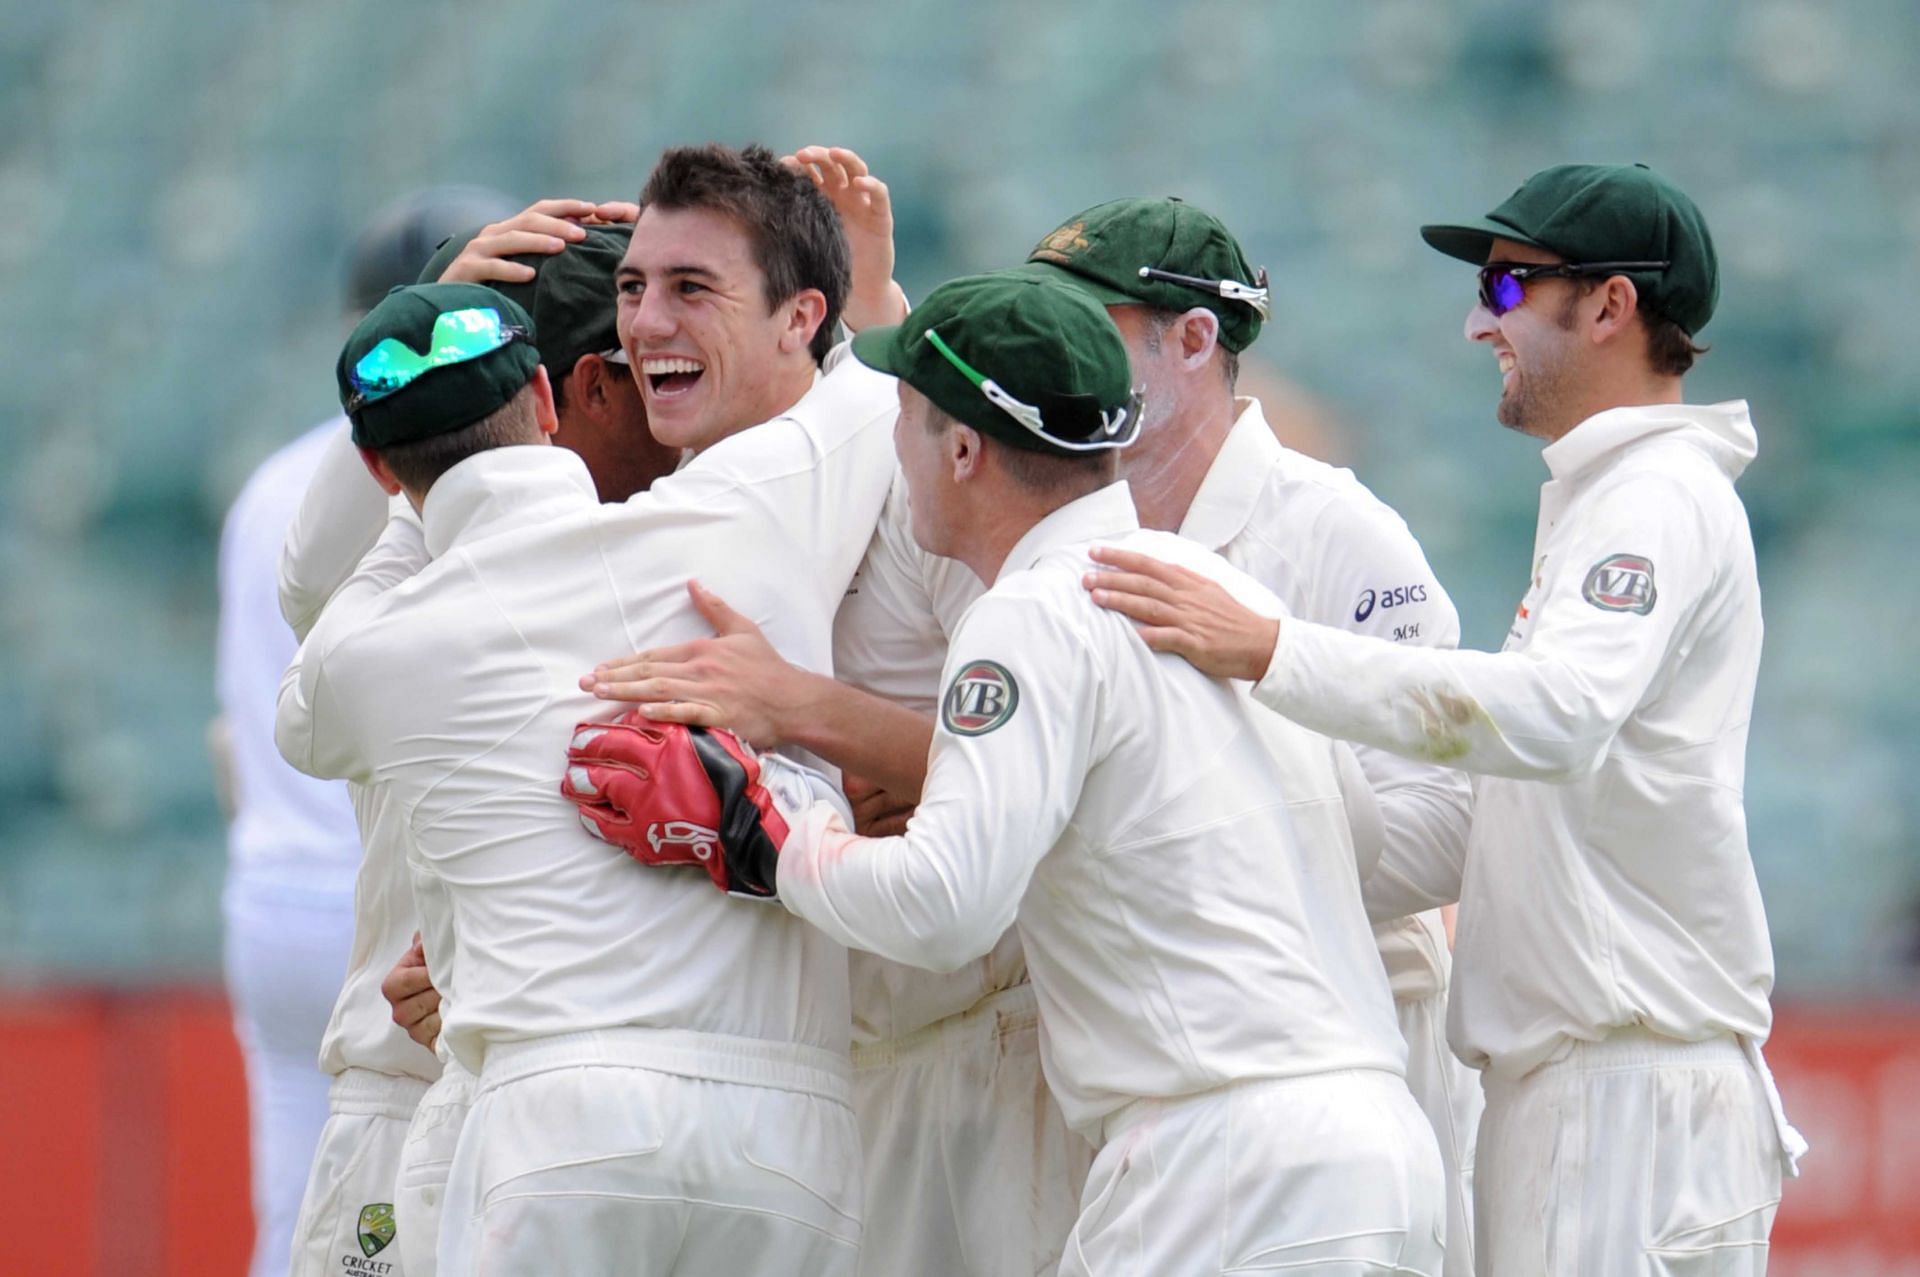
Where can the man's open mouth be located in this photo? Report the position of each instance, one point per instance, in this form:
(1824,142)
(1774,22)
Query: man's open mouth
(669,377)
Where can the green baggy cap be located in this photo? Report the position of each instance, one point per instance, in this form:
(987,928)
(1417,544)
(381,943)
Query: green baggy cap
(431,359)
(570,297)
(1103,249)
(1028,360)
(1606,213)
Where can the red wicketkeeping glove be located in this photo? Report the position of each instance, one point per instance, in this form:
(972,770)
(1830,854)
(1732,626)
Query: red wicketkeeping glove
(674,795)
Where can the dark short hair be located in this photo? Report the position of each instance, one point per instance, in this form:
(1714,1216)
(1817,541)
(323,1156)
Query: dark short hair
(1159,320)
(419,464)
(797,239)
(1671,349)
(1052,473)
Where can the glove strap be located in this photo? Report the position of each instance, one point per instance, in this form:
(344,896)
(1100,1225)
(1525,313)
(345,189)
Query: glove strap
(751,855)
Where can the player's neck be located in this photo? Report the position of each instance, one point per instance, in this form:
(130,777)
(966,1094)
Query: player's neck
(998,525)
(1170,460)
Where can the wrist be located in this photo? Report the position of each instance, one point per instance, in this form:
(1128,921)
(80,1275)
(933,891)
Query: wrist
(875,308)
(795,709)
(1258,656)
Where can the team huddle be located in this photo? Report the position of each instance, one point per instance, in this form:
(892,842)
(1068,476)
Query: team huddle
(939,788)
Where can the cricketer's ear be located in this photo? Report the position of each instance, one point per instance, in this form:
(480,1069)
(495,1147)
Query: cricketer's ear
(545,415)
(965,450)
(381,472)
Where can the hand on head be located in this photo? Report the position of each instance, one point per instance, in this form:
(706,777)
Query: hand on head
(866,214)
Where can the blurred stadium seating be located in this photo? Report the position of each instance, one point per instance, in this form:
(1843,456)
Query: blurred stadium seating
(208,161)
(207,164)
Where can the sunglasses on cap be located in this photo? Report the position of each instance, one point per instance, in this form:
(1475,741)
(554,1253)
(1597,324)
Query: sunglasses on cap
(1075,423)
(1503,284)
(459,336)
(1254,294)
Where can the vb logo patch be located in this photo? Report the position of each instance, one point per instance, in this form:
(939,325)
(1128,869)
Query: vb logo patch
(1621,583)
(982,697)
(376,1227)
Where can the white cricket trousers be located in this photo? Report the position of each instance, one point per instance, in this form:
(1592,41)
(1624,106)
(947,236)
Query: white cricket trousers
(347,1223)
(1634,1155)
(655,1151)
(426,1158)
(285,956)
(1448,1092)
(970,1168)
(1328,1175)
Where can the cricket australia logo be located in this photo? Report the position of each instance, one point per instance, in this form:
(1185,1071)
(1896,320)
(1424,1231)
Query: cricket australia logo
(1060,247)
(376,1227)
(1621,583)
(982,697)
(697,839)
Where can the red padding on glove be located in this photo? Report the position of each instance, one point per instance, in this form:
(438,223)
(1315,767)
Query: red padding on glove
(643,787)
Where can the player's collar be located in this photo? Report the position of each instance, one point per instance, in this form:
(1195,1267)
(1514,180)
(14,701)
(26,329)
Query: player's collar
(1723,430)
(1230,490)
(502,484)
(1099,516)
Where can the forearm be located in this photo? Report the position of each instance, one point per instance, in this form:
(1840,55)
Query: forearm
(1425,811)
(859,732)
(1505,713)
(906,898)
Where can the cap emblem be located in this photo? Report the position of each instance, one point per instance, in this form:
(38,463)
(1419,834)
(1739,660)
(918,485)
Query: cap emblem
(1060,246)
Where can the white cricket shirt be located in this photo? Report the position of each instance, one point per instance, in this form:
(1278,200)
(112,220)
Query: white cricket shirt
(1178,861)
(458,691)
(1336,554)
(1607,880)
(348,543)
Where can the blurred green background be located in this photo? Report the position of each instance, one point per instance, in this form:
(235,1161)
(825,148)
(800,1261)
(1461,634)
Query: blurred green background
(179,182)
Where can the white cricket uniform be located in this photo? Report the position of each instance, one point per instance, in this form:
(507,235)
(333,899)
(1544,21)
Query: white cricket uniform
(1181,872)
(426,1161)
(970,1168)
(1613,963)
(1336,554)
(662,1070)
(1332,552)
(292,852)
(349,542)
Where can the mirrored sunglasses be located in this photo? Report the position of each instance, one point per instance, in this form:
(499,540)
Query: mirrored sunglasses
(459,336)
(1503,285)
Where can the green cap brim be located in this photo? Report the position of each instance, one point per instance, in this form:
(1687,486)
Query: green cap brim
(874,347)
(1105,294)
(1470,241)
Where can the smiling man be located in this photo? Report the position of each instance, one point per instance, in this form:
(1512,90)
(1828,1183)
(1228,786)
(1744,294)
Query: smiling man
(624,1115)
(1613,965)
(716,314)
(1178,862)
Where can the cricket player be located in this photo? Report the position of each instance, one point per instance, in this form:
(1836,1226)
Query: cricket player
(708,1130)
(376,1184)
(1177,860)
(1613,964)
(969,1166)
(293,845)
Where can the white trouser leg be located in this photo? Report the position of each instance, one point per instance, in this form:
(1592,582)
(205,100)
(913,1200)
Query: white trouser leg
(347,1223)
(285,956)
(1332,1175)
(584,1155)
(970,1168)
(1448,1092)
(426,1158)
(1635,1156)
